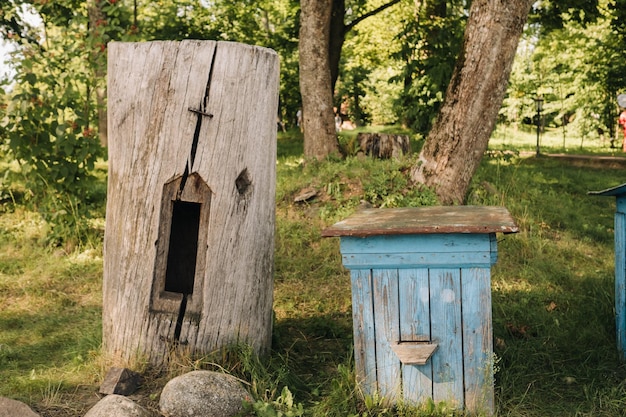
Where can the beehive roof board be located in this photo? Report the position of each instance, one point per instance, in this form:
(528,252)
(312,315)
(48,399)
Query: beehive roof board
(613,191)
(425,220)
(619,192)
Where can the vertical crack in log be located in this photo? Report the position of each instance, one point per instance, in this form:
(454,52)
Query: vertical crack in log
(181,317)
(201,112)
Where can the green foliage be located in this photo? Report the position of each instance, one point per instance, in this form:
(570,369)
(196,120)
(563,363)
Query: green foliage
(579,84)
(342,185)
(47,129)
(364,92)
(283,406)
(430,45)
(50,123)
(50,329)
(268,23)
(554,14)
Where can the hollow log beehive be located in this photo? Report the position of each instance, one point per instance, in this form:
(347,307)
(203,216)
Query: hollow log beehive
(188,246)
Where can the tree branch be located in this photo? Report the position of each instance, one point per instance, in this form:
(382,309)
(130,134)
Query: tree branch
(369,14)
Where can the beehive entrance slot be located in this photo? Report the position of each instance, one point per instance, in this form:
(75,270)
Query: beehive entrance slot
(180,257)
(183,247)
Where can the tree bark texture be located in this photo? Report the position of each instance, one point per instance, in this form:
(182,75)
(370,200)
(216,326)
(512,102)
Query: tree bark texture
(459,137)
(188,246)
(320,138)
(337,38)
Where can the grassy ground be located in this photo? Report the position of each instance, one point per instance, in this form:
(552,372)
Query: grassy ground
(552,291)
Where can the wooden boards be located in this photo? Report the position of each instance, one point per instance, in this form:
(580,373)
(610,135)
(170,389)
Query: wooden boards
(421,301)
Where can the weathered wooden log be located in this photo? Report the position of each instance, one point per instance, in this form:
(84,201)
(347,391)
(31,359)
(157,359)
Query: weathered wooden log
(383,145)
(188,259)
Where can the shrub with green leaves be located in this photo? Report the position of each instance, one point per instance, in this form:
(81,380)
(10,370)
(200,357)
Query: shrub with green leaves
(49,129)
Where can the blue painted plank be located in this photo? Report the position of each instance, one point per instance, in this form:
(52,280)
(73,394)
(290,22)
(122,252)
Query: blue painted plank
(443,243)
(386,323)
(620,204)
(494,248)
(412,260)
(364,332)
(620,282)
(477,340)
(446,322)
(414,303)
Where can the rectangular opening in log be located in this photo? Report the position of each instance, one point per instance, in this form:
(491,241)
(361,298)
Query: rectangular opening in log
(180,258)
(183,247)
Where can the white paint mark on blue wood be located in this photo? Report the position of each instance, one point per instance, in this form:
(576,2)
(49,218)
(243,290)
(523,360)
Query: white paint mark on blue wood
(446,332)
(620,205)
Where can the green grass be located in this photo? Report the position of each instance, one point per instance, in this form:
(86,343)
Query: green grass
(552,291)
(553,140)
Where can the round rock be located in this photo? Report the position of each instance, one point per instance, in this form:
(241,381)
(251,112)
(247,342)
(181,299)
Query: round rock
(13,408)
(118,406)
(203,393)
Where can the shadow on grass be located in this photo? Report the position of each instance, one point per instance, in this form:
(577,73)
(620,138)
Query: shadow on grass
(314,347)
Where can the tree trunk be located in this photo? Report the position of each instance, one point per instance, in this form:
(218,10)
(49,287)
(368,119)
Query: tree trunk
(322,34)
(338,30)
(320,138)
(188,258)
(459,137)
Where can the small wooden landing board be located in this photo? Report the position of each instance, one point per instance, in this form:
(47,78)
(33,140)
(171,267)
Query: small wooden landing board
(425,220)
(414,353)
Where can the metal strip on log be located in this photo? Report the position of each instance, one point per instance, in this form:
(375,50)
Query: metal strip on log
(188,263)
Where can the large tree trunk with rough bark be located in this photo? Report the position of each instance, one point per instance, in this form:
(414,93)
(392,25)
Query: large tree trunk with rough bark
(459,137)
(320,138)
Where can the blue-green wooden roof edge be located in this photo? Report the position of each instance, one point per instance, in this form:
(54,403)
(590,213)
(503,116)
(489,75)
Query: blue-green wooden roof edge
(614,191)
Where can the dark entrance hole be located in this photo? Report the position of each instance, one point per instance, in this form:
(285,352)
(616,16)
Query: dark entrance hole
(183,247)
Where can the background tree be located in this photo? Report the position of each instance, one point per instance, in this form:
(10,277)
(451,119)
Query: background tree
(322,35)
(455,145)
(320,139)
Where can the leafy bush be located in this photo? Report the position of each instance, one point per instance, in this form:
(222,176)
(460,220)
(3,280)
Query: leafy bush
(48,129)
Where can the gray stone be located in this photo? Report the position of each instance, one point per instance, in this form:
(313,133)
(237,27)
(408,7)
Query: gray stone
(120,381)
(117,406)
(203,393)
(13,408)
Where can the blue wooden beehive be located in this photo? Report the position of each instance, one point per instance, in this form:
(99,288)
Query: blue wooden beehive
(619,193)
(421,301)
